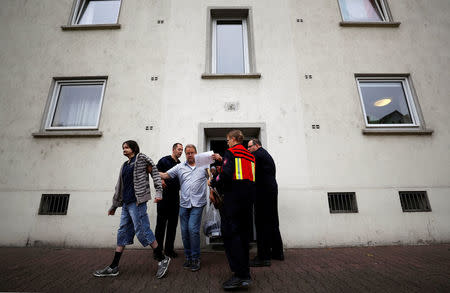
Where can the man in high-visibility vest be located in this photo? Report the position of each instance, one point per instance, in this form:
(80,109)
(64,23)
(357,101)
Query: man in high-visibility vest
(237,181)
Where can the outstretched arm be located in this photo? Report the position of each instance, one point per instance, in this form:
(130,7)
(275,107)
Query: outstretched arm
(164,175)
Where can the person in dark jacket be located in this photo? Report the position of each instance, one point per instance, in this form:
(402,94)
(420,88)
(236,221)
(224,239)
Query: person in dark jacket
(169,206)
(268,237)
(237,181)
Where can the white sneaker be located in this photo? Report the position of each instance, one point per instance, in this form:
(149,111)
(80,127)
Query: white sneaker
(162,267)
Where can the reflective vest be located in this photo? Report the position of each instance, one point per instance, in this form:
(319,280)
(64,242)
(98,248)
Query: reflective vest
(244,163)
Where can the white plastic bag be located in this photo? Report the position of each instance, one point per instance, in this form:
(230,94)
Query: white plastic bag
(211,227)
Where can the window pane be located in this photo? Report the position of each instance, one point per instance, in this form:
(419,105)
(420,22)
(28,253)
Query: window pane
(361,10)
(230,47)
(78,105)
(385,103)
(99,12)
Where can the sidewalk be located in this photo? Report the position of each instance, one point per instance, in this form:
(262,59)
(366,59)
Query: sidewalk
(356,269)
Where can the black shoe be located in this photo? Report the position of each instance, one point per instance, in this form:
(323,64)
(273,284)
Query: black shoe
(236,282)
(172,254)
(257,262)
(278,256)
(187,264)
(195,265)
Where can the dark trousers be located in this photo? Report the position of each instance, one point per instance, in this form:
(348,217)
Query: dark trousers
(268,237)
(236,221)
(167,217)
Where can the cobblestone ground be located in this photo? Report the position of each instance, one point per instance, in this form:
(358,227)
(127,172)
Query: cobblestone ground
(357,269)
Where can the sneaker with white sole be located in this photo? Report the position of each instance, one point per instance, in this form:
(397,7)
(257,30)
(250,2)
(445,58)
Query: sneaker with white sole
(162,267)
(107,272)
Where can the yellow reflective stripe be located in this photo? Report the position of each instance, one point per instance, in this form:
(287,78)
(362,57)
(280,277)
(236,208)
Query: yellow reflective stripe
(253,171)
(236,167)
(240,169)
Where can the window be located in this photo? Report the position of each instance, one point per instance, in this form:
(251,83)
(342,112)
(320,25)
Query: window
(92,12)
(364,10)
(342,202)
(230,50)
(75,104)
(414,201)
(387,102)
(54,204)
(230,46)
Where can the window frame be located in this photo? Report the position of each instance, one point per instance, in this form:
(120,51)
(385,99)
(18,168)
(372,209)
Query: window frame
(244,43)
(54,97)
(422,199)
(411,101)
(76,14)
(229,13)
(385,13)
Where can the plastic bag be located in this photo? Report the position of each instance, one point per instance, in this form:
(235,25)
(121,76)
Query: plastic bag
(211,227)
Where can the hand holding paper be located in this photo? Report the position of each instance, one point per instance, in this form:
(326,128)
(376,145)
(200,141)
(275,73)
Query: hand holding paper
(204,159)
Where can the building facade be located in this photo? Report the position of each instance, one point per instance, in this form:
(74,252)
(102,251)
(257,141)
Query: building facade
(350,97)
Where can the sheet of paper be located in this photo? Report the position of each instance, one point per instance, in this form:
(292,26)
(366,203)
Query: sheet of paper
(203,160)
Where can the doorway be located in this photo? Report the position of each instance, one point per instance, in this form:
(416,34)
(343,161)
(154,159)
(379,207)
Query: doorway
(213,137)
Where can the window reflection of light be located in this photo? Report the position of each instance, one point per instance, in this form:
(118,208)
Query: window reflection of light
(382,102)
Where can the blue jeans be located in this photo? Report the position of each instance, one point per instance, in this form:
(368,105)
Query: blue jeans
(190,221)
(134,220)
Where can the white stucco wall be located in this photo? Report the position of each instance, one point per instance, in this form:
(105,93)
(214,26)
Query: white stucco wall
(310,163)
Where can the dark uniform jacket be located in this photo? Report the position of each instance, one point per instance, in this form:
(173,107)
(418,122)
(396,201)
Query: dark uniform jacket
(265,171)
(238,169)
(237,180)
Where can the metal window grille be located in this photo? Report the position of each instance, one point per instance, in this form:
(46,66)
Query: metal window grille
(342,202)
(54,204)
(414,201)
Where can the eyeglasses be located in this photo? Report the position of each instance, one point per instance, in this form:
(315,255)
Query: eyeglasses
(249,146)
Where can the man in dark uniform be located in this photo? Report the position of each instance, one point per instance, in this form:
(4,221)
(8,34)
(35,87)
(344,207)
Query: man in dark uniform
(237,181)
(268,237)
(168,208)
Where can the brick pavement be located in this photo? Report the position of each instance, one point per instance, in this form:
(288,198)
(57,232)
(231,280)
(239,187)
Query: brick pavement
(356,269)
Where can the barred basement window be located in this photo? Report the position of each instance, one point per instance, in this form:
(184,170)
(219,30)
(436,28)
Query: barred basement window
(54,204)
(342,202)
(414,201)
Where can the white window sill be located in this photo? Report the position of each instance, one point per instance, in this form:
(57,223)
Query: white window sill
(230,76)
(77,27)
(370,24)
(396,131)
(67,133)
